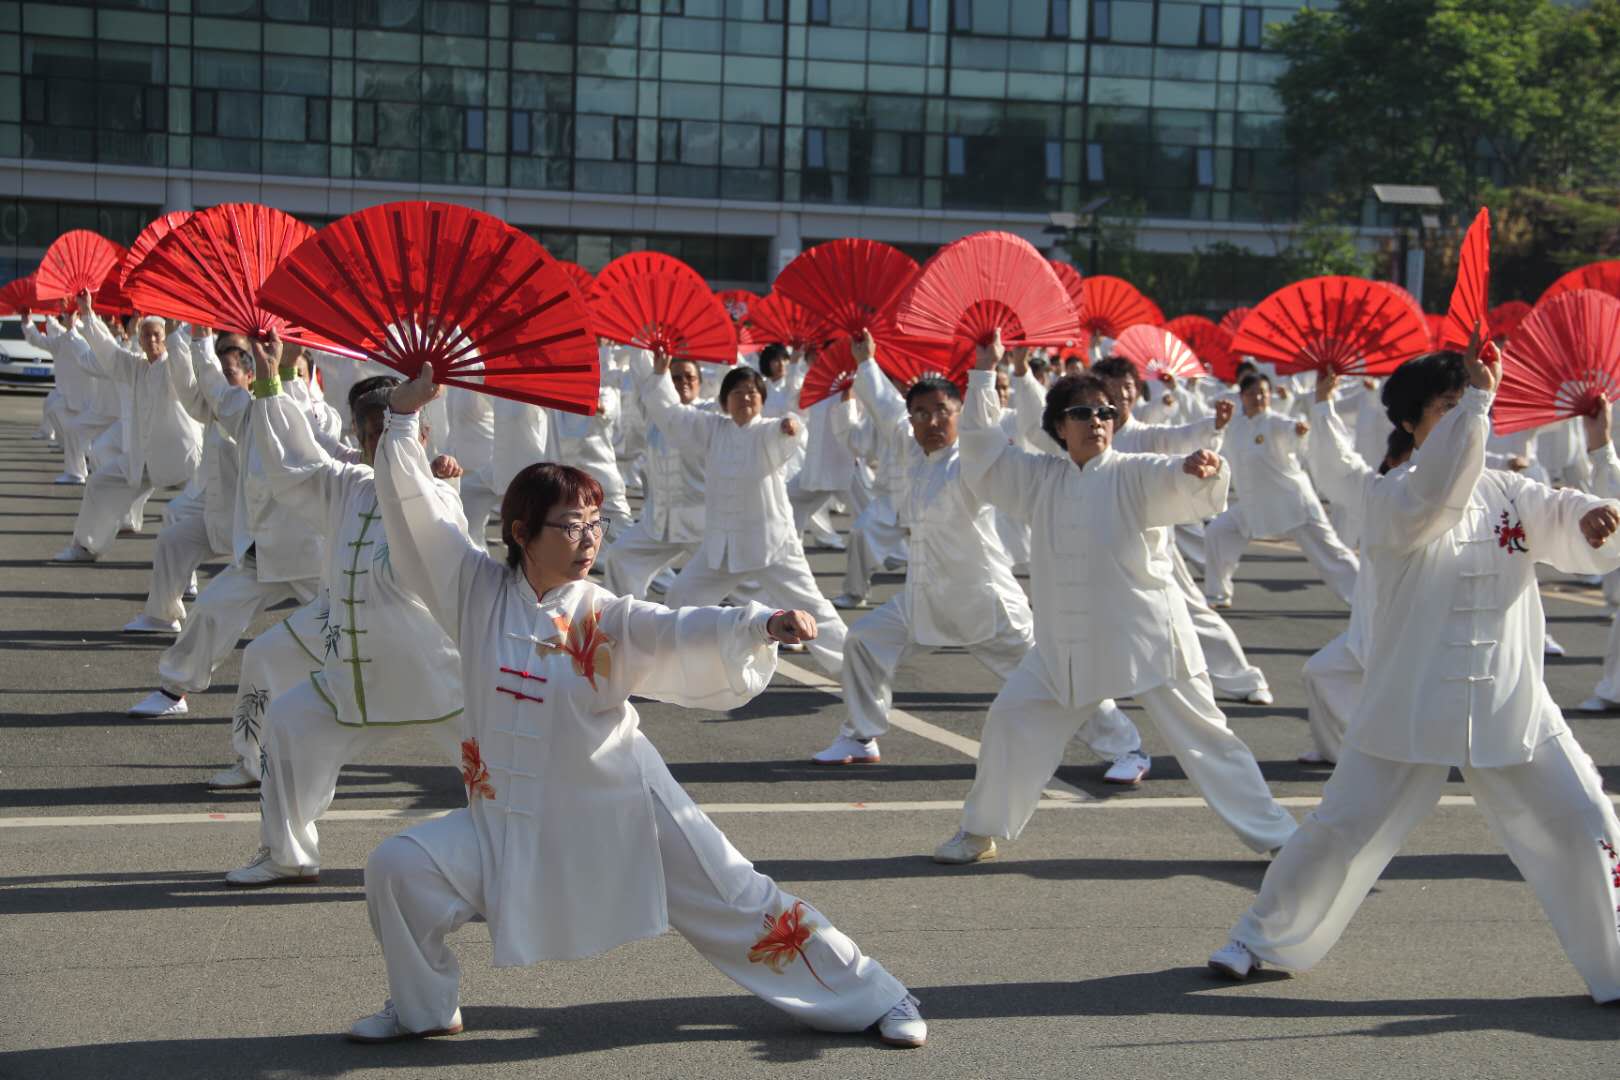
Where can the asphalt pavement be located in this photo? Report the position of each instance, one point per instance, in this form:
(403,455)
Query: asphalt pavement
(1080,952)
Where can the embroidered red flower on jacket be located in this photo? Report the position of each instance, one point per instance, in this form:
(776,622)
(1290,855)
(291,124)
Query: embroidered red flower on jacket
(590,648)
(784,939)
(474,773)
(1510,535)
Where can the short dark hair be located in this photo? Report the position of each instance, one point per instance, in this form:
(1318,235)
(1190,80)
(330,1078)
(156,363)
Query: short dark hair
(932,384)
(1414,384)
(1251,379)
(742,373)
(365,386)
(1116,367)
(368,409)
(532,494)
(1038,363)
(685,360)
(772,352)
(1244,367)
(1062,395)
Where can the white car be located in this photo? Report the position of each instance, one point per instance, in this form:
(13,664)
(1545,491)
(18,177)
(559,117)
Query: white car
(20,363)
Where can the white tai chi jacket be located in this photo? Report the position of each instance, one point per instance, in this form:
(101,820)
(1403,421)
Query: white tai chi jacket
(560,781)
(673,510)
(1274,494)
(384,660)
(160,438)
(471,439)
(748,516)
(1454,671)
(1347,480)
(1110,621)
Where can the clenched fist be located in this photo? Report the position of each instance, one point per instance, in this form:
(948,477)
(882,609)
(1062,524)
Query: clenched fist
(1600,524)
(1202,464)
(791,627)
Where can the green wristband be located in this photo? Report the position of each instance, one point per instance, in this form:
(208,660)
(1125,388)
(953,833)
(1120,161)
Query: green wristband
(289,373)
(266,388)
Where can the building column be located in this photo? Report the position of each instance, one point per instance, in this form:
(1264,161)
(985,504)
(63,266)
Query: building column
(786,244)
(177,194)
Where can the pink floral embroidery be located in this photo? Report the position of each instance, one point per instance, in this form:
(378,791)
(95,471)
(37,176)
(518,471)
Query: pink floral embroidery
(785,937)
(590,648)
(474,773)
(1510,535)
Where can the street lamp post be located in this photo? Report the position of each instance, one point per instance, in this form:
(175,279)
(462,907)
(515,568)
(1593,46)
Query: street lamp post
(1066,224)
(1415,197)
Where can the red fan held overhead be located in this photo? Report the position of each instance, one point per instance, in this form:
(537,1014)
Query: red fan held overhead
(1157,354)
(1211,344)
(739,305)
(1073,284)
(1234,319)
(633,265)
(1602,276)
(111,299)
(1564,360)
(19,296)
(581,277)
(776,320)
(147,240)
(415,283)
(831,373)
(77,261)
(1506,317)
(1471,296)
(1112,305)
(1348,325)
(853,284)
(1436,325)
(672,314)
(207,271)
(984,283)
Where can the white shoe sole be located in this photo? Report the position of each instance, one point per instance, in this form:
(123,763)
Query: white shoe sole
(403,1036)
(294,879)
(1229,972)
(851,760)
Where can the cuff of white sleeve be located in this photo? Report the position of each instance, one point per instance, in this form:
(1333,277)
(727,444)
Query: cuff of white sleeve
(402,425)
(981,378)
(759,623)
(1479,400)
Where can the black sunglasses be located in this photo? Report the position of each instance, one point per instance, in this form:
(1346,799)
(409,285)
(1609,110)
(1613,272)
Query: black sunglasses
(1084,413)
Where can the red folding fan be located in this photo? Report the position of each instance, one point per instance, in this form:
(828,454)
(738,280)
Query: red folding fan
(147,240)
(983,283)
(1234,319)
(1564,358)
(634,264)
(851,283)
(1073,284)
(1471,296)
(77,261)
(776,320)
(1113,304)
(831,373)
(415,283)
(739,305)
(110,298)
(19,296)
(1344,324)
(1602,276)
(1435,324)
(1157,354)
(1209,343)
(1506,317)
(672,314)
(207,271)
(582,278)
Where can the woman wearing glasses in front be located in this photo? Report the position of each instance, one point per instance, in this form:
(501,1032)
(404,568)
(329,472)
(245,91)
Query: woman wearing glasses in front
(1109,619)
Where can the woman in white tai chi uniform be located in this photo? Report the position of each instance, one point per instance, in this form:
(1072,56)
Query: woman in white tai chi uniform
(750,534)
(1274,498)
(576,838)
(1109,619)
(1454,680)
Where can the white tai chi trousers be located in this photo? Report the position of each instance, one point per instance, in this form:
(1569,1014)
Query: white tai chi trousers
(219,616)
(50,418)
(182,546)
(478,502)
(1332,678)
(881,640)
(272,664)
(1229,669)
(636,557)
(1189,540)
(413,907)
(787,584)
(1224,541)
(305,748)
(872,544)
(76,432)
(1027,730)
(108,504)
(1551,815)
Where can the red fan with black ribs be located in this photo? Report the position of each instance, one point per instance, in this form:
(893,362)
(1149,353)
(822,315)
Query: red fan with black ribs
(668,313)
(77,261)
(147,240)
(208,270)
(1113,305)
(776,320)
(1209,343)
(1602,276)
(1506,317)
(1563,360)
(1157,354)
(1471,296)
(421,283)
(19,296)
(1234,319)
(1344,324)
(984,283)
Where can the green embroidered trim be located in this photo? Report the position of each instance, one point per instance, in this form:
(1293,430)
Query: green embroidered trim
(354,659)
(287,622)
(315,681)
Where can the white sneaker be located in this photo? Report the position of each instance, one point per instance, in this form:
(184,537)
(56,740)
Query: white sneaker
(157,703)
(73,553)
(261,872)
(794,647)
(191,589)
(1219,603)
(661,583)
(1234,960)
(1550,646)
(1131,768)
(145,624)
(232,778)
(903,1025)
(965,847)
(894,564)
(845,601)
(1261,696)
(830,540)
(69,478)
(848,751)
(384,1027)
(1597,704)
(1314,757)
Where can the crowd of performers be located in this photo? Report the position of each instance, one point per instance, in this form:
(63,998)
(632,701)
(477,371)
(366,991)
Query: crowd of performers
(367,499)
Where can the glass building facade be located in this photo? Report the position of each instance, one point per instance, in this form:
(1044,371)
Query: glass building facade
(917,110)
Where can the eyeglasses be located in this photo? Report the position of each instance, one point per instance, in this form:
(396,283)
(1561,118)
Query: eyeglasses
(1084,413)
(575,530)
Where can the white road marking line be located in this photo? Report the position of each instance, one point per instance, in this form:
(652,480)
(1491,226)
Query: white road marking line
(916,725)
(1169,802)
(1562,592)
